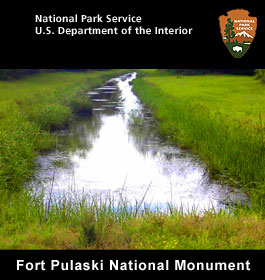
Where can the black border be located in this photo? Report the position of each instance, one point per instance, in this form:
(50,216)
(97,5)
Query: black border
(20,48)
(255,258)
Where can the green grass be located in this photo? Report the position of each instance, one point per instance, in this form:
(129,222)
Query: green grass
(88,223)
(44,83)
(218,117)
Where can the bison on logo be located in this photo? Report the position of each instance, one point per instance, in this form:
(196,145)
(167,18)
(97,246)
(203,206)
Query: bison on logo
(238,31)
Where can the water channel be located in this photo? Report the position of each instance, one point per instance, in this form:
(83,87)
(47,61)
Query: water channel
(117,153)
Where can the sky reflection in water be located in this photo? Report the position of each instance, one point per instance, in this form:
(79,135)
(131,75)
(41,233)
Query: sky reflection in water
(119,152)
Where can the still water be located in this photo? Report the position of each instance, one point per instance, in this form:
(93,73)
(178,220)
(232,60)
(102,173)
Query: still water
(117,153)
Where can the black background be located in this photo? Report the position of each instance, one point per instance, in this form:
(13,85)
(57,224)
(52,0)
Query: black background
(21,48)
(256,259)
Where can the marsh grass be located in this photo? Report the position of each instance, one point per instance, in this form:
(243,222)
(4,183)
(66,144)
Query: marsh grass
(219,118)
(90,222)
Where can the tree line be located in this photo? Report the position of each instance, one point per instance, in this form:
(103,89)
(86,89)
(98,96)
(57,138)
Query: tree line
(9,74)
(257,73)
(212,71)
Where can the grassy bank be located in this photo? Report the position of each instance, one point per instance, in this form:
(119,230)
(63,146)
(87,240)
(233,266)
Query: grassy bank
(33,106)
(87,224)
(219,117)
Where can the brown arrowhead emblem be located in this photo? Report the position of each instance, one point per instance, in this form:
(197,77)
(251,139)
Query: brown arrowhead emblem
(238,31)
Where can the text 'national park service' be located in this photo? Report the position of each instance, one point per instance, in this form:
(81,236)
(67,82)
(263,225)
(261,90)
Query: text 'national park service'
(77,25)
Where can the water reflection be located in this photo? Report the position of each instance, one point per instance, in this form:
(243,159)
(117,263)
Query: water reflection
(118,151)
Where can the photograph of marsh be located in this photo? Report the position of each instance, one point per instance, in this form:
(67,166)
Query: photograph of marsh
(132,159)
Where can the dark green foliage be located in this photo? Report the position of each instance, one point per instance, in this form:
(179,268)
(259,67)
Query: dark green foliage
(88,236)
(229,30)
(260,74)
(9,74)
(212,71)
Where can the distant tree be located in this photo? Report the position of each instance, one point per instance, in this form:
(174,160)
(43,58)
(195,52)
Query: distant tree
(9,74)
(239,71)
(260,74)
(229,30)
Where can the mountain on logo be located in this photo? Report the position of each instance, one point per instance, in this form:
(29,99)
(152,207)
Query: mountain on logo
(243,37)
(244,34)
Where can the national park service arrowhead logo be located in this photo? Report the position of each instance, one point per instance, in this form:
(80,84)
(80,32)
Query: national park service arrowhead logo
(238,31)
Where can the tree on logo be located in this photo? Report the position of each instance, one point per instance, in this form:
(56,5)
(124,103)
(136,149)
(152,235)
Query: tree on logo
(229,27)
